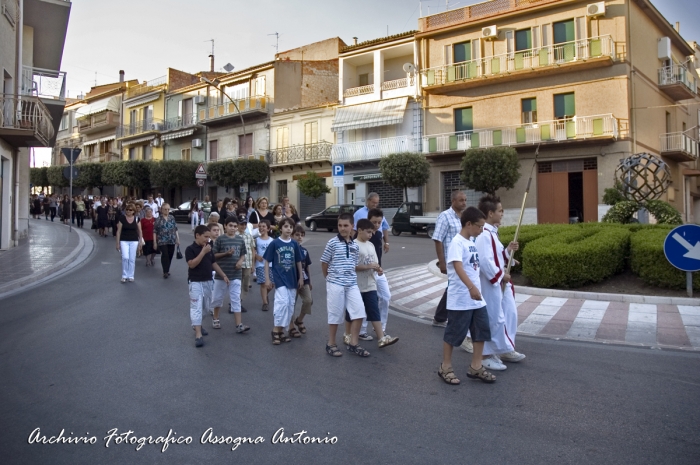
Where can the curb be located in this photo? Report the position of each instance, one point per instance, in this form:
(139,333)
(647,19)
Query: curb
(629,298)
(79,255)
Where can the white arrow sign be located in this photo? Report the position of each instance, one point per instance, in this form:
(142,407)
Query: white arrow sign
(693,250)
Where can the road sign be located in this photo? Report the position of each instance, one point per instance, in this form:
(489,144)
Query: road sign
(338,170)
(66,172)
(71,154)
(338,181)
(200,182)
(244,187)
(682,247)
(200,173)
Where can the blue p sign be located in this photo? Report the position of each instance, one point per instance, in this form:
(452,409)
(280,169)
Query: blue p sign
(338,170)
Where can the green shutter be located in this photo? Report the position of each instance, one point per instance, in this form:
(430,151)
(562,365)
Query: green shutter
(463,119)
(564,32)
(545,132)
(453,142)
(497,137)
(431,77)
(529,104)
(472,69)
(596,47)
(462,52)
(450,74)
(569,52)
(475,140)
(495,65)
(432,144)
(570,129)
(564,105)
(523,40)
(598,127)
(544,57)
(520,135)
(519,60)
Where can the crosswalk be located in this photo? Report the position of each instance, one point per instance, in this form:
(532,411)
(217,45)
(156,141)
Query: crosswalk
(417,291)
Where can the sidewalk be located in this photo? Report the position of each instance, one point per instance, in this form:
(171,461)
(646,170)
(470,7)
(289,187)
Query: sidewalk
(664,322)
(50,251)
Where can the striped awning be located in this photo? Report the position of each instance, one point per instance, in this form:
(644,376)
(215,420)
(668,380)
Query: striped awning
(111,104)
(108,138)
(140,140)
(177,135)
(370,115)
(90,142)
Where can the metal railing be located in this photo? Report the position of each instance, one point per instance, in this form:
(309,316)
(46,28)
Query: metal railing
(96,120)
(245,105)
(139,127)
(677,74)
(373,149)
(679,142)
(44,83)
(576,128)
(146,87)
(28,113)
(355,91)
(320,151)
(476,12)
(530,59)
(179,122)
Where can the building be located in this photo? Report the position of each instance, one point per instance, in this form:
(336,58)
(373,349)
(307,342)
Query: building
(32,36)
(586,83)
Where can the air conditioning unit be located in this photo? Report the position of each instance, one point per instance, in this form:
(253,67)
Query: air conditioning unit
(196,143)
(490,32)
(595,9)
(199,99)
(156,127)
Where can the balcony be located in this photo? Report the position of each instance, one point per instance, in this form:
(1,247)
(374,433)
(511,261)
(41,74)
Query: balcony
(367,150)
(146,87)
(249,106)
(25,121)
(356,91)
(44,83)
(146,126)
(577,128)
(678,82)
(98,122)
(180,122)
(301,154)
(679,147)
(566,56)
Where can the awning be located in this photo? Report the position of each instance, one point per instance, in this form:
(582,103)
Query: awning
(176,135)
(140,140)
(90,142)
(141,101)
(370,115)
(111,104)
(108,138)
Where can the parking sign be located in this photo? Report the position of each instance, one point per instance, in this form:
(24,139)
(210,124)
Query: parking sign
(338,170)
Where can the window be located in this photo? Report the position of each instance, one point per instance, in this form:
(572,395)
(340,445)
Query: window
(213,150)
(89,150)
(311,133)
(564,106)
(523,40)
(282,138)
(364,79)
(259,86)
(564,31)
(133,118)
(132,153)
(65,122)
(463,119)
(147,152)
(281,190)
(147,116)
(668,122)
(335,209)
(239,91)
(529,110)
(245,145)
(462,52)
(184,111)
(186,154)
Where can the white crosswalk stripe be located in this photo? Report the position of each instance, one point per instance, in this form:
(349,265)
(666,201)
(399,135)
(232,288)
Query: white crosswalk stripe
(641,324)
(586,324)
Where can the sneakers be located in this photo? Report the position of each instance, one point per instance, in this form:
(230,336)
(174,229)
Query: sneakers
(346,339)
(243,309)
(204,332)
(387,341)
(216,324)
(439,324)
(467,345)
(242,328)
(199,342)
(131,280)
(512,357)
(493,363)
(264,307)
(365,337)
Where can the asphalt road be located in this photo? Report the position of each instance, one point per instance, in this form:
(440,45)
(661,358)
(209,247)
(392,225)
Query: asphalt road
(87,354)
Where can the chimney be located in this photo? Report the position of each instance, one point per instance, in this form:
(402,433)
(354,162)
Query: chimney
(211,63)
(354,40)
(677,27)
(121,75)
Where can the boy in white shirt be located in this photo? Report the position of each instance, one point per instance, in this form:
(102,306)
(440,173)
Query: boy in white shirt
(465,308)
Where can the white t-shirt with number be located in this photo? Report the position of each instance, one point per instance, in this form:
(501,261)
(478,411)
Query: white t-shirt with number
(462,250)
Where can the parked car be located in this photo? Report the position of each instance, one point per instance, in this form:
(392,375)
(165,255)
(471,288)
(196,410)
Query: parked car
(409,218)
(328,218)
(182,212)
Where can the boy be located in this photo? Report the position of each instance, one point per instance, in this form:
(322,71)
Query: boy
(304,292)
(200,262)
(250,253)
(229,251)
(338,263)
(367,270)
(283,261)
(503,313)
(215,233)
(466,310)
(376,216)
(261,244)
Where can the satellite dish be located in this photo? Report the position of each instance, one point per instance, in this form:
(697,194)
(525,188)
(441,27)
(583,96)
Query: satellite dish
(409,68)
(228,67)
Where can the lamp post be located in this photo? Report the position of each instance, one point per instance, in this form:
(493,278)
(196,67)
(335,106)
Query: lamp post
(217,85)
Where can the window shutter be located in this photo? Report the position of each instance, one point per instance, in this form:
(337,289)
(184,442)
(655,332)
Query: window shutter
(546,35)
(536,37)
(448,54)
(179,109)
(510,42)
(463,119)
(476,49)
(581,29)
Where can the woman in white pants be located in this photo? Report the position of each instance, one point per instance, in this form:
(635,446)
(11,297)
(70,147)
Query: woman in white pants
(196,214)
(129,240)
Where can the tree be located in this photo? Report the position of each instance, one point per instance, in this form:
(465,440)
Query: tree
(487,170)
(239,171)
(615,194)
(170,174)
(312,185)
(55,176)
(89,175)
(404,170)
(39,177)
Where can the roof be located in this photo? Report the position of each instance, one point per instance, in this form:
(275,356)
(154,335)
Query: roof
(381,40)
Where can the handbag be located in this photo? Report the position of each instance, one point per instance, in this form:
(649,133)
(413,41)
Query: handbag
(94,225)
(178,255)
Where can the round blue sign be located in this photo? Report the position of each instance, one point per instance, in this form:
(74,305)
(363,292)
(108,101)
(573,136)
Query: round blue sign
(682,247)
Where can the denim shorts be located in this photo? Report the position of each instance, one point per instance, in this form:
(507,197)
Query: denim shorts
(371,301)
(460,321)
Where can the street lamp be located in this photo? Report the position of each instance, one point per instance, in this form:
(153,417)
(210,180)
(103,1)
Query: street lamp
(217,84)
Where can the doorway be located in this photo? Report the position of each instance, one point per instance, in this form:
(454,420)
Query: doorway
(576,197)
(350,194)
(567,191)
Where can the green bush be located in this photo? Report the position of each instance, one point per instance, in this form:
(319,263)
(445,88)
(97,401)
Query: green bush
(528,233)
(649,262)
(621,212)
(663,212)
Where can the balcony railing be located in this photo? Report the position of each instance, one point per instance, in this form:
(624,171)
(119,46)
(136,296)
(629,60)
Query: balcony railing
(677,74)
(179,122)
(576,128)
(245,105)
(146,87)
(531,59)
(355,91)
(373,149)
(476,12)
(44,83)
(139,127)
(26,113)
(678,144)
(320,151)
(397,83)
(98,121)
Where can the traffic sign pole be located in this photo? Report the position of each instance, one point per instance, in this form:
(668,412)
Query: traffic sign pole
(682,250)
(689,283)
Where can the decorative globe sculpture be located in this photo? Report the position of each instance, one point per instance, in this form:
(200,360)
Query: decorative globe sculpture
(643,176)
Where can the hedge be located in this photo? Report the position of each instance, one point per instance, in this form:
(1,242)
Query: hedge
(649,262)
(528,233)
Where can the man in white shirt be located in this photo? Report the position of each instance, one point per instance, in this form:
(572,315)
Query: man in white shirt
(154,206)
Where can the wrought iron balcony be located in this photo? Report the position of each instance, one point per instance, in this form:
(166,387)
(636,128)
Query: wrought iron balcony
(679,146)
(299,154)
(562,130)
(180,122)
(373,149)
(44,83)
(246,106)
(150,125)
(678,82)
(25,121)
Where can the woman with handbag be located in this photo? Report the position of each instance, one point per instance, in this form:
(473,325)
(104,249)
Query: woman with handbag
(166,238)
(129,239)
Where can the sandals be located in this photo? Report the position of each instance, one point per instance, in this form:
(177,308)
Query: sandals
(300,325)
(276,338)
(448,376)
(357,350)
(333,351)
(294,333)
(481,374)
(284,337)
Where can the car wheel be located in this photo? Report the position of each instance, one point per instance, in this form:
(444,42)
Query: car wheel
(395,232)
(431,230)
(313,226)
(330,229)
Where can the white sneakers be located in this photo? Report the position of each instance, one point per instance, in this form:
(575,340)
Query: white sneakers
(467,345)
(512,357)
(493,363)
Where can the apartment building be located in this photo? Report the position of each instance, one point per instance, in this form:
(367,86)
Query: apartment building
(379,113)
(68,134)
(582,83)
(32,36)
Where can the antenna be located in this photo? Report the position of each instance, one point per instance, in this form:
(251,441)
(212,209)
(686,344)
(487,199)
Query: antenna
(277,41)
(95,78)
(212,45)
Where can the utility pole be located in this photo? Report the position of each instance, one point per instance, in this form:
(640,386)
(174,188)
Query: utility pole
(277,41)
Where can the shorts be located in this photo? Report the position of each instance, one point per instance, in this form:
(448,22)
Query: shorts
(459,322)
(260,275)
(371,301)
(341,298)
(221,289)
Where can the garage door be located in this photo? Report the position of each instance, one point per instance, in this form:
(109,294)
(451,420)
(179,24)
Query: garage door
(309,206)
(389,197)
(452,181)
